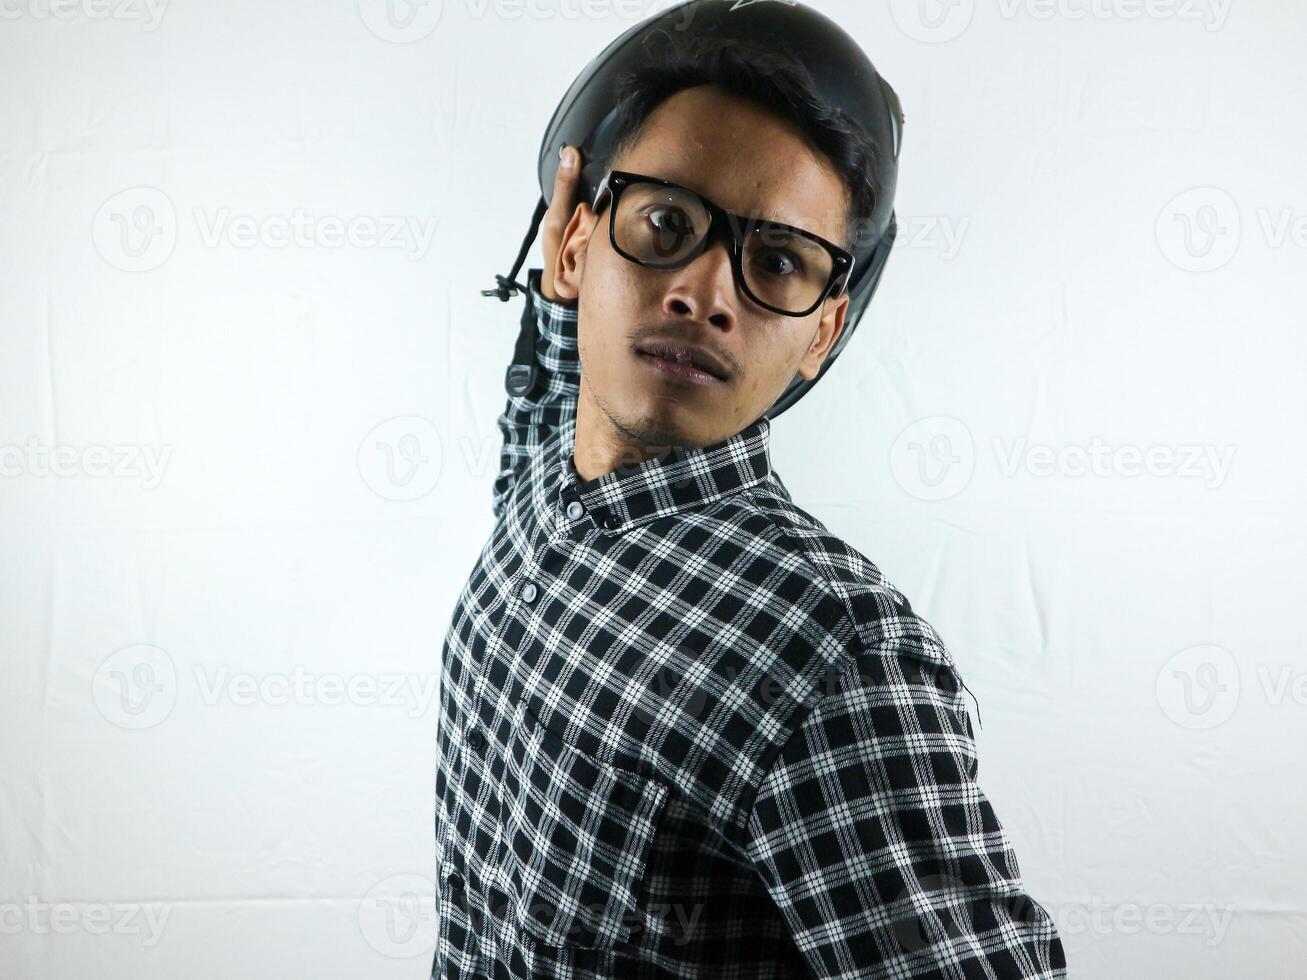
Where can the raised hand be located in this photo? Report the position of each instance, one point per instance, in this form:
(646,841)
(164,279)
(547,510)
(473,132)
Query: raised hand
(558,216)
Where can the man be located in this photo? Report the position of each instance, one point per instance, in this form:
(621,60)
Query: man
(685,730)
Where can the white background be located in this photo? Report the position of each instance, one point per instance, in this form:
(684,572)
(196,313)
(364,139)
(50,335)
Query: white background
(1069,429)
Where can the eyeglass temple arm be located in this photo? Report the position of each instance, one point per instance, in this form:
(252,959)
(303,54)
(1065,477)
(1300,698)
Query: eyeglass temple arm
(848,275)
(601,190)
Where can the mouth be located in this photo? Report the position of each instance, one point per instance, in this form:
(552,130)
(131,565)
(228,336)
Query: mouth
(683,361)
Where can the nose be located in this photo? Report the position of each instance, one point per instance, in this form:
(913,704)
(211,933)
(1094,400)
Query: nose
(705,288)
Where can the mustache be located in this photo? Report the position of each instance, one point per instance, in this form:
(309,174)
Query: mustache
(677,334)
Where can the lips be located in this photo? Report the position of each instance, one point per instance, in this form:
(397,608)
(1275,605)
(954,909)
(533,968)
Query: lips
(687,356)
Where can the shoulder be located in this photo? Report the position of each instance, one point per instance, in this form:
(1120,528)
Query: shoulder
(879,664)
(869,613)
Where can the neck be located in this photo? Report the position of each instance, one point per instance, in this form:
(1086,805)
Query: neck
(601,447)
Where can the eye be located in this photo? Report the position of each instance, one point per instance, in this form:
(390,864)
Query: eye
(671,221)
(779,262)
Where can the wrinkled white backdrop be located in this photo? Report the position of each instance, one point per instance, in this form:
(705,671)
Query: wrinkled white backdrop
(248,391)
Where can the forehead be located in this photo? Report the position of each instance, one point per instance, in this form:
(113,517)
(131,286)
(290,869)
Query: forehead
(742,156)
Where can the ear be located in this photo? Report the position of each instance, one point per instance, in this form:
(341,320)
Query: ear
(569,266)
(828,331)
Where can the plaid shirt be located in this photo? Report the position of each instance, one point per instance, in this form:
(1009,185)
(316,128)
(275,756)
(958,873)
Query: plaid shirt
(688,732)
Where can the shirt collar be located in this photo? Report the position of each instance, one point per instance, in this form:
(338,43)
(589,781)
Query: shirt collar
(681,479)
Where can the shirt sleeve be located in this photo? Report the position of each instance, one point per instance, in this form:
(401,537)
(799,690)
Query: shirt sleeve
(874,840)
(528,421)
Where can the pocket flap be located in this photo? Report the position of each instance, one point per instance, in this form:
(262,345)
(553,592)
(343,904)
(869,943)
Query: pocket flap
(579,831)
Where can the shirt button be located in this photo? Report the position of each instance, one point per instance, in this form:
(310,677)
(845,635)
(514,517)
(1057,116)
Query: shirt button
(575,509)
(455,881)
(529,592)
(476,739)
(612,521)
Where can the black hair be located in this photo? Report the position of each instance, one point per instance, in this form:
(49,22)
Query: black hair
(773,79)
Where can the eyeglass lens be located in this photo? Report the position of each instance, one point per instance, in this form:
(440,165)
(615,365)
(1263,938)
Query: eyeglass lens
(661,226)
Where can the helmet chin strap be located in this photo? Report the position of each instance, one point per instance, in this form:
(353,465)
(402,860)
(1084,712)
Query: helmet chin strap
(521,375)
(508,284)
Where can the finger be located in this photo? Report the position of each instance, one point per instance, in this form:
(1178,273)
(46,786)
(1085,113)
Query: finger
(565,182)
(559,214)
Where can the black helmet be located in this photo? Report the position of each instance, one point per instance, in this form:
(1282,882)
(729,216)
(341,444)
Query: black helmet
(843,78)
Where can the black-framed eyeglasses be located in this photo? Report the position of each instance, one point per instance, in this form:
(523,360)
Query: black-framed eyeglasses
(662,225)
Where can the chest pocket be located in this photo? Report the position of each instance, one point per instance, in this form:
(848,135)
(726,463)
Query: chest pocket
(578,835)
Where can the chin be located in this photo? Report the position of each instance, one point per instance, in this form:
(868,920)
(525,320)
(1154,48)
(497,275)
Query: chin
(663,425)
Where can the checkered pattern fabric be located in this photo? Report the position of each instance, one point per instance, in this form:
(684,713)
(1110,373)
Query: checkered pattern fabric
(688,732)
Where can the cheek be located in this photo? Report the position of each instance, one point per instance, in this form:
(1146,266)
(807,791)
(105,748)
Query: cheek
(591,343)
(774,354)
(600,325)
(610,304)
(777,359)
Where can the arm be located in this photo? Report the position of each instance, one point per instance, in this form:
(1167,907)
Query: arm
(870,833)
(528,421)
